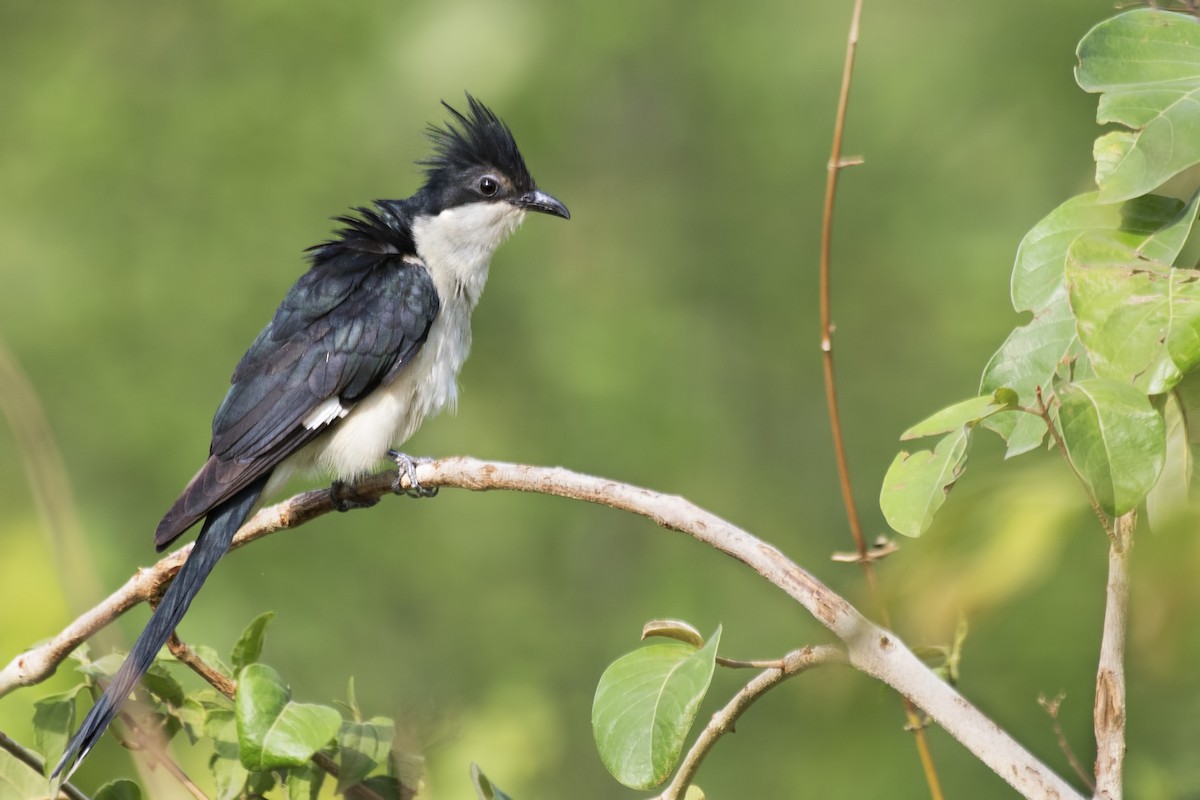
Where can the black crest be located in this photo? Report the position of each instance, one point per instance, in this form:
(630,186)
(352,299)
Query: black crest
(475,139)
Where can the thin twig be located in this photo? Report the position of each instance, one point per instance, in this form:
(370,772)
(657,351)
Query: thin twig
(35,763)
(836,164)
(723,721)
(1109,713)
(833,168)
(871,649)
(1052,708)
(737,663)
(188,657)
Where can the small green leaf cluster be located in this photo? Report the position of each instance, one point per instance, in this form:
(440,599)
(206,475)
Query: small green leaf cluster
(262,740)
(1107,365)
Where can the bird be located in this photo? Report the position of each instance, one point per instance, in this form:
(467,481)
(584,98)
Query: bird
(365,345)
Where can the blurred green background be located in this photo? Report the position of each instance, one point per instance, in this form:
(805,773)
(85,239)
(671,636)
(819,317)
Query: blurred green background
(162,166)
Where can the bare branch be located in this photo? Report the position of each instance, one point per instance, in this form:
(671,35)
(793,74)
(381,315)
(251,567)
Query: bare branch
(723,721)
(871,649)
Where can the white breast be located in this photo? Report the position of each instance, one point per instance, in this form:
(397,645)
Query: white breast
(456,247)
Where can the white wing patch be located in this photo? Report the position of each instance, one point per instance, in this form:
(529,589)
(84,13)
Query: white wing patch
(325,413)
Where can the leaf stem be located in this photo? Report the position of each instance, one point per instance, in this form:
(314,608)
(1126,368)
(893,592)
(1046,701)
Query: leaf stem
(766,663)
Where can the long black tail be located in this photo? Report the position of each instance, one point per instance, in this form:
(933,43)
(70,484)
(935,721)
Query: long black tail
(212,543)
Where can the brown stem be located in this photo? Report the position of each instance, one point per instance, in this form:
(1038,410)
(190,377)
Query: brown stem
(836,164)
(188,657)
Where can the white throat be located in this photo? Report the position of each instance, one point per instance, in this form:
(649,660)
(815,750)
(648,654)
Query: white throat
(457,246)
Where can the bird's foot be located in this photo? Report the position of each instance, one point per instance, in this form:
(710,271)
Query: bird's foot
(345,497)
(408,469)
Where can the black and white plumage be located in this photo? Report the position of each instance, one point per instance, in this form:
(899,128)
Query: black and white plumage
(366,345)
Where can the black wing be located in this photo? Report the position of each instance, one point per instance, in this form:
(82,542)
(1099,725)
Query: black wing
(348,325)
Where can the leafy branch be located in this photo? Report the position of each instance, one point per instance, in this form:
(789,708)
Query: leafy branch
(869,648)
(1108,363)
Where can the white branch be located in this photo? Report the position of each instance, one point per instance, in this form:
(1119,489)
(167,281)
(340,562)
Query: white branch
(871,649)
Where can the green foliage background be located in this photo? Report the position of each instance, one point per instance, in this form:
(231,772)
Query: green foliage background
(161,166)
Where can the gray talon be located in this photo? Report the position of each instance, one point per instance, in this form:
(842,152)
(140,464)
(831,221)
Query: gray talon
(407,466)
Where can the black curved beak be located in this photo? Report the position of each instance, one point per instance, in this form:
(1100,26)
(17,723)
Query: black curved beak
(537,200)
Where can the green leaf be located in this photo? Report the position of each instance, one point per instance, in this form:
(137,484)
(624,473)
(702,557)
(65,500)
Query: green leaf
(363,746)
(967,412)
(1139,320)
(1155,226)
(273,731)
(352,700)
(229,774)
(119,790)
(1172,491)
(916,484)
(388,787)
(1145,64)
(104,667)
(18,781)
(303,783)
(249,645)
(53,722)
(260,783)
(191,714)
(484,788)
(210,656)
(1115,439)
(163,685)
(644,706)
(1028,359)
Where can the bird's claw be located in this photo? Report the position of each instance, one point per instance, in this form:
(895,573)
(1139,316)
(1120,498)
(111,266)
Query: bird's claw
(345,498)
(407,466)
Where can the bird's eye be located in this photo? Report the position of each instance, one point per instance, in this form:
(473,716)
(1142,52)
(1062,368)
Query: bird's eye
(488,186)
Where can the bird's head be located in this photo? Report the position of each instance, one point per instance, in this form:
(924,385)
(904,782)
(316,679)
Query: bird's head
(477,171)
